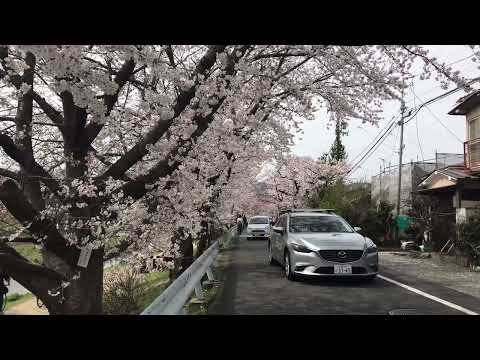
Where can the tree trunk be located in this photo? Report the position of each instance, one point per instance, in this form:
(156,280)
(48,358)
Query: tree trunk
(31,189)
(186,258)
(204,237)
(84,295)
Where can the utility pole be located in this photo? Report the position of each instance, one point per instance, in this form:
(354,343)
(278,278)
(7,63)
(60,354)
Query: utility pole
(380,179)
(397,241)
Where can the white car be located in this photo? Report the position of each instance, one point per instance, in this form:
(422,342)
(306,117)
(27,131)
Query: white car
(259,227)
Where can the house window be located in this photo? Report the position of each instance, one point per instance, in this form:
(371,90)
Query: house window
(473,159)
(474,128)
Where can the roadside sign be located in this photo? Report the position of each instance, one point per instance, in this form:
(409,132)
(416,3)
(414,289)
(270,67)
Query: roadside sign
(403,222)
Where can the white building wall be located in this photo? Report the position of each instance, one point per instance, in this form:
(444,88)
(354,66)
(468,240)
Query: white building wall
(411,174)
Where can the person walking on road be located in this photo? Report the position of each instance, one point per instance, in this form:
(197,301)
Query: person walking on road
(239,224)
(3,291)
(390,226)
(245,222)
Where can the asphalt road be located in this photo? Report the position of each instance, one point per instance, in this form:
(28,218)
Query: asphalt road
(253,287)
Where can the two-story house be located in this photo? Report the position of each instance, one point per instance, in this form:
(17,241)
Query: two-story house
(456,189)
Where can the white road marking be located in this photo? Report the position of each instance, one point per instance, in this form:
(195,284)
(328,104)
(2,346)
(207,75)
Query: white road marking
(431,297)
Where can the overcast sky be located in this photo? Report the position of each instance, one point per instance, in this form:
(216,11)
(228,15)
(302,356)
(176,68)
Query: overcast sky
(432,136)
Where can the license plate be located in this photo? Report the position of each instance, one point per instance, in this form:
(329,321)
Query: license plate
(342,269)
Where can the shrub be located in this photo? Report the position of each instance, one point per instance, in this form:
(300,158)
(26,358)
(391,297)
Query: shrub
(468,238)
(354,203)
(123,288)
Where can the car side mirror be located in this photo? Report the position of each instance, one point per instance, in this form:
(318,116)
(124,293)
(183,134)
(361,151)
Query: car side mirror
(357,229)
(278,229)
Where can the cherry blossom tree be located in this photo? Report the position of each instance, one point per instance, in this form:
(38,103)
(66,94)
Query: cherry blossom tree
(245,194)
(297,178)
(127,150)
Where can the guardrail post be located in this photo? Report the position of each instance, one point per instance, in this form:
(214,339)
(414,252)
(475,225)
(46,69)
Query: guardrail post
(199,291)
(176,295)
(210,274)
(182,311)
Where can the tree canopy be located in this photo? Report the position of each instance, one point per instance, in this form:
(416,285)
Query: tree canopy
(127,150)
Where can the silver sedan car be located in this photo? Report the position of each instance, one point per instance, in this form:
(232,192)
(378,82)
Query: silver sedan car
(318,243)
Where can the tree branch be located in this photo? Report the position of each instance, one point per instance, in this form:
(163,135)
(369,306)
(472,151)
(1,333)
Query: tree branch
(7,119)
(16,203)
(20,239)
(26,160)
(50,111)
(137,152)
(118,249)
(36,278)
(167,166)
(9,174)
(93,128)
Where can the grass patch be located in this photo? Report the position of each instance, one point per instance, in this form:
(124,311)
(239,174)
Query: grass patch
(29,251)
(202,309)
(155,283)
(16,299)
(128,292)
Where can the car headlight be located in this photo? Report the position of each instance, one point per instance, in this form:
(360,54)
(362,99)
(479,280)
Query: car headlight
(301,248)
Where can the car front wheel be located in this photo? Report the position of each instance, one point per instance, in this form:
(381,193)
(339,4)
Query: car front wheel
(288,267)
(271,260)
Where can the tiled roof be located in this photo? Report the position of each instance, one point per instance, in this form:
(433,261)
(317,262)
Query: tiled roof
(456,172)
(465,103)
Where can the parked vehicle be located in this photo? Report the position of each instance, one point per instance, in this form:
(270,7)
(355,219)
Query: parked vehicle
(317,242)
(259,227)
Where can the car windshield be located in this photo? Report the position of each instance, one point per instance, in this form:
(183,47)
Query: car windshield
(259,220)
(318,224)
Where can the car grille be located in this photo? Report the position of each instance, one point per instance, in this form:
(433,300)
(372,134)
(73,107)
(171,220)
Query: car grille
(328,270)
(332,255)
(258,232)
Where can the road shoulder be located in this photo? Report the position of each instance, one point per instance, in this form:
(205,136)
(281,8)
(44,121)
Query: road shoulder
(447,281)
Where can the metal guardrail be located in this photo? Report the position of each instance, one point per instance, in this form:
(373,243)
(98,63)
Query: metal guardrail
(173,298)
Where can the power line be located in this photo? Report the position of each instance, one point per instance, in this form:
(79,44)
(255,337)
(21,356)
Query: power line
(373,148)
(416,122)
(437,98)
(390,129)
(378,134)
(441,123)
(380,140)
(383,144)
(438,119)
(370,148)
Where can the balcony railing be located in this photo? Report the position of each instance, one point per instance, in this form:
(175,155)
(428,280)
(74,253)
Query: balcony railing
(471,150)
